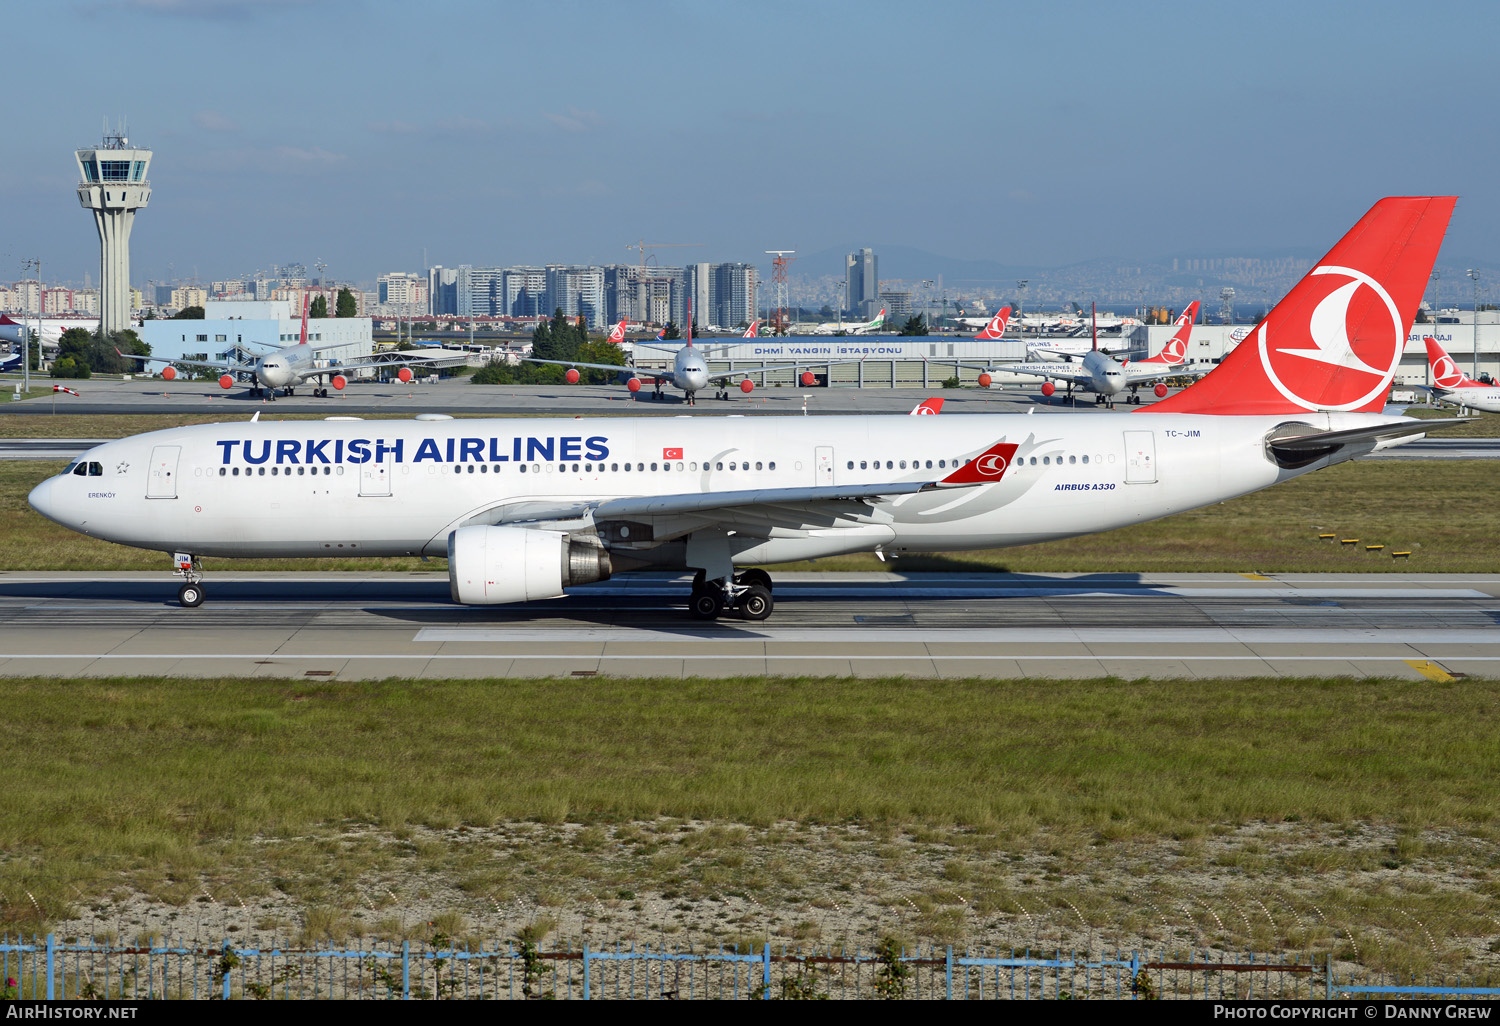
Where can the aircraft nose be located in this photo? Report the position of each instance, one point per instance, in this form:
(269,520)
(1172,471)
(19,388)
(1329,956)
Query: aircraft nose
(40,499)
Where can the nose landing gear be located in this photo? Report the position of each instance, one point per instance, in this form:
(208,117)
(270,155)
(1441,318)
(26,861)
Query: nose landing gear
(191,571)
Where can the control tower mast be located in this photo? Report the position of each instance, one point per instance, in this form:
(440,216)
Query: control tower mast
(112,183)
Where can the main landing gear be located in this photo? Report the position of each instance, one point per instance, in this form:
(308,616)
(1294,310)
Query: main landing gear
(191,571)
(749,593)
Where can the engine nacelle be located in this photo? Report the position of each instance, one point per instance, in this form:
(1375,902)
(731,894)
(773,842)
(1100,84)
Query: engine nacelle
(338,382)
(633,385)
(168,373)
(985,380)
(747,386)
(403,375)
(226,381)
(809,379)
(491,565)
(572,375)
(1048,388)
(1160,390)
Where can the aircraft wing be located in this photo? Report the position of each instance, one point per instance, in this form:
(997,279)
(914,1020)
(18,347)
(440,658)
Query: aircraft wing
(987,468)
(602,366)
(786,365)
(223,365)
(1069,353)
(418,361)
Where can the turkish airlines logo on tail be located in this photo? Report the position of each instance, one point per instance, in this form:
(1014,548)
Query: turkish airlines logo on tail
(996,328)
(1445,372)
(1319,365)
(753,331)
(618,335)
(1174,351)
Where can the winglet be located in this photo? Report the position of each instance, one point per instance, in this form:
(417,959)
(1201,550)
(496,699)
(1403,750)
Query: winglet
(988,468)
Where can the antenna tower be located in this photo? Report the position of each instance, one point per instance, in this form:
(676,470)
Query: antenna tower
(778,279)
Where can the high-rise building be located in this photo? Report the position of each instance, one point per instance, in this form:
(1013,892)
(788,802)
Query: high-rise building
(113,184)
(862,271)
(399,289)
(523,292)
(442,287)
(577,292)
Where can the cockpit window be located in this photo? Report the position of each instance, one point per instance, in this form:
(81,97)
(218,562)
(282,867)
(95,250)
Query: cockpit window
(96,470)
(67,470)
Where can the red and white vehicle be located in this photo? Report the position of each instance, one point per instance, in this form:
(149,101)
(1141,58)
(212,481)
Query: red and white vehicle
(1451,385)
(526,508)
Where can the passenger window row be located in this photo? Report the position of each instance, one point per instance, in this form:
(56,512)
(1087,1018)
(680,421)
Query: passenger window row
(279,471)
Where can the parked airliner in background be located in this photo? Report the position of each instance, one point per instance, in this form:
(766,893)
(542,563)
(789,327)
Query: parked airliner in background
(995,327)
(48,330)
(851,327)
(1451,385)
(286,367)
(1107,377)
(526,508)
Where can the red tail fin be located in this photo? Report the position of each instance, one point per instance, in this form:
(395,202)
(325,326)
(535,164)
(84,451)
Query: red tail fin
(1175,351)
(1445,372)
(1333,343)
(304,323)
(996,327)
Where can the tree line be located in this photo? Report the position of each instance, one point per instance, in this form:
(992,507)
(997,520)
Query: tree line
(561,338)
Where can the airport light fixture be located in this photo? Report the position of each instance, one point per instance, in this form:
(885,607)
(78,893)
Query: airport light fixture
(1021,284)
(1474,273)
(27,266)
(927,284)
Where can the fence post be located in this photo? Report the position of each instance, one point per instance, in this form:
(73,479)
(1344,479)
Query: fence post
(406,970)
(585,970)
(228,972)
(1328,965)
(1135,971)
(51,956)
(950,972)
(766,972)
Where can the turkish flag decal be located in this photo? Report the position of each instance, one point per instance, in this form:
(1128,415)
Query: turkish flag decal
(671,454)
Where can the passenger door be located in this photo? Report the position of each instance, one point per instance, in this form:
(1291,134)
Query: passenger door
(375,478)
(161,482)
(1140,457)
(823,465)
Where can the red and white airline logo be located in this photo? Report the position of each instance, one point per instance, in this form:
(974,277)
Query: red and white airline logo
(618,335)
(991,465)
(671,454)
(1445,373)
(924,411)
(1354,369)
(1174,351)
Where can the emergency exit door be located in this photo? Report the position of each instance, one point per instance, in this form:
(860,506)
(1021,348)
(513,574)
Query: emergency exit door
(823,465)
(161,482)
(1140,457)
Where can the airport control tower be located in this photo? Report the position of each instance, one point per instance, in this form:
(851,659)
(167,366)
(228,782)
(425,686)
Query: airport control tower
(112,183)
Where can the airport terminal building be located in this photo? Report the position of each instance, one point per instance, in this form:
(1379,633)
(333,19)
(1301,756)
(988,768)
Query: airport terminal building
(243,330)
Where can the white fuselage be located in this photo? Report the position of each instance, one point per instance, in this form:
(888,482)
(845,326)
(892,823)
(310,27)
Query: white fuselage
(689,370)
(1482,398)
(394,487)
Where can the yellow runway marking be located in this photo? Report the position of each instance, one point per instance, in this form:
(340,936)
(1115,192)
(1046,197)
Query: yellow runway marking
(1257,577)
(1429,669)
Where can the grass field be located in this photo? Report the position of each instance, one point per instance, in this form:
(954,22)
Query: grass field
(1445,513)
(943,809)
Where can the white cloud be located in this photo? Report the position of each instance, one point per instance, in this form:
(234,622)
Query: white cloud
(214,121)
(576,120)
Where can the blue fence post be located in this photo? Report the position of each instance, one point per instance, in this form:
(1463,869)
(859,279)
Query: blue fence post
(950,972)
(585,970)
(227,971)
(406,970)
(1135,971)
(51,956)
(766,972)
(1328,994)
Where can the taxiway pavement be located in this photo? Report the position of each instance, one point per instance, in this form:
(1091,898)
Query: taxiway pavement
(355,626)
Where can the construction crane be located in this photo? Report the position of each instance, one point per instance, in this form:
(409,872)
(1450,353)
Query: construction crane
(649,283)
(778,279)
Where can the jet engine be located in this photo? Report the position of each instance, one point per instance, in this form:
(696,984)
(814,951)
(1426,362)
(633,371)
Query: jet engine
(572,375)
(747,386)
(809,379)
(1048,388)
(634,384)
(226,381)
(491,565)
(1160,390)
(339,382)
(403,375)
(168,372)
(985,380)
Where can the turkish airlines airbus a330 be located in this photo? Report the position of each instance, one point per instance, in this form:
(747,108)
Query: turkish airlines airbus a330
(524,509)
(1453,386)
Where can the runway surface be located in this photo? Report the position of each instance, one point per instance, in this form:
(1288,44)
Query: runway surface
(362,626)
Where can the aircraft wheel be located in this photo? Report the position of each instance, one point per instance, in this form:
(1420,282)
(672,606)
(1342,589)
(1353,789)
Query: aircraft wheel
(190,595)
(756,576)
(706,605)
(756,603)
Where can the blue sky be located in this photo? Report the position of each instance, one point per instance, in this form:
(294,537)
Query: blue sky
(359,132)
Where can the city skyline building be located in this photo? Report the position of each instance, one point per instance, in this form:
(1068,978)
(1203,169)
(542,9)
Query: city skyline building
(113,184)
(862,272)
